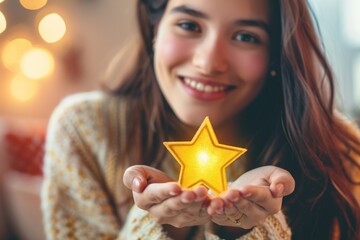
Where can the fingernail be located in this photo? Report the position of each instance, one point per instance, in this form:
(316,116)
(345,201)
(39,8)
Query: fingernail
(185,200)
(234,198)
(246,194)
(136,184)
(280,188)
(173,193)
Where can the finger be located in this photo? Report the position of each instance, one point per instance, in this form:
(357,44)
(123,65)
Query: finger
(232,195)
(262,198)
(282,183)
(174,206)
(156,193)
(217,204)
(170,207)
(216,207)
(245,213)
(137,177)
(201,193)
(197,194)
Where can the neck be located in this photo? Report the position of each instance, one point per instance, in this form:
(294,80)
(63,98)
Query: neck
(228,132)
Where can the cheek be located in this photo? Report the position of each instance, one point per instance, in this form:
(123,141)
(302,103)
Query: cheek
(171,51)
(253,67)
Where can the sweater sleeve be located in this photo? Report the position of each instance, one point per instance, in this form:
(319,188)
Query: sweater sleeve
(140,225)
(74,202)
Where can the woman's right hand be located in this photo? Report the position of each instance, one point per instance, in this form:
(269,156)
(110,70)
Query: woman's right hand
(164,199)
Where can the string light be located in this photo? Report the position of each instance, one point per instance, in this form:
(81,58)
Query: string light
(13,51)
(22,88)
(52,28)
(37,63)
(2,22)
(33,4)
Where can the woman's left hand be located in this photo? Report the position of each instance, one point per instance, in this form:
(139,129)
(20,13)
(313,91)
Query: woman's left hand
(253,197)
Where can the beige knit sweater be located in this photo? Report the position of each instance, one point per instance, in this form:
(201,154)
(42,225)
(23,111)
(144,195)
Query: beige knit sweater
(83,196)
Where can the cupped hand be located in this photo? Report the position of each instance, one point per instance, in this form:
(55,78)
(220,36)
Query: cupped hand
(164,199)
(253,197)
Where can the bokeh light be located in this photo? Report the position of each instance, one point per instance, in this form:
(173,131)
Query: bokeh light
(2,22)
(33,4)
(37,63)
(22,88)
(13,51)
(1,1)
(52,27)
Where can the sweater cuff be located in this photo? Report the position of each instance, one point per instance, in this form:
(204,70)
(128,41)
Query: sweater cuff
(140,225)
(274,228)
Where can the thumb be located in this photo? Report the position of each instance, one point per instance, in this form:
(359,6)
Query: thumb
(282,183)
(137,177)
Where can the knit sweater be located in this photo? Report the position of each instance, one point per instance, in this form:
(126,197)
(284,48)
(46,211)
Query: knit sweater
(83,196)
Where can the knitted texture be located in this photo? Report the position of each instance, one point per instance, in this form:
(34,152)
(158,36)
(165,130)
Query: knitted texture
(83,196)
(141,225)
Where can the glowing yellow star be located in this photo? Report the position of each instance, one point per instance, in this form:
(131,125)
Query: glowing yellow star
(203,160)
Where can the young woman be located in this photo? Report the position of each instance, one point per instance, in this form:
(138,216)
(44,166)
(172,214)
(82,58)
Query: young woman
(257,69)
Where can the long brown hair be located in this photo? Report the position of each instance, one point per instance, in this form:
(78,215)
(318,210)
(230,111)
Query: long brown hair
(291,124)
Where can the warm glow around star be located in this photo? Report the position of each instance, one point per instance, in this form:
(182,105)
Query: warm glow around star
(203,160)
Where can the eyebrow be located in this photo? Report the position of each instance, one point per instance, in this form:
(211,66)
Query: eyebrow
(241,22)
(254,23)
(189,11)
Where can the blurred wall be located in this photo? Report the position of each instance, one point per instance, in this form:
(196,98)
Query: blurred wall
(96,30)
(332,19)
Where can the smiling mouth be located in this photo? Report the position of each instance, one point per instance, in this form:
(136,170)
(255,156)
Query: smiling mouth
(204,87)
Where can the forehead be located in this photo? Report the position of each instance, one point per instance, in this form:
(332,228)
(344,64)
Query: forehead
(226,9)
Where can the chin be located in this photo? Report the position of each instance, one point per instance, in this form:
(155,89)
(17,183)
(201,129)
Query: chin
(191,119)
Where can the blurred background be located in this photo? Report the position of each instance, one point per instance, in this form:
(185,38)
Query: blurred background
(50,49)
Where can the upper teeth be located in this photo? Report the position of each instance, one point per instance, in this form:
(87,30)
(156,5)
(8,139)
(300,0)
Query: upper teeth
(203,87)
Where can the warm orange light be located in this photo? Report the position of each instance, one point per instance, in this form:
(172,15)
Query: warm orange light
(33,4)
(13,52)
(52,28)
(22,88)
(37,63)
(2,22)
(1,1)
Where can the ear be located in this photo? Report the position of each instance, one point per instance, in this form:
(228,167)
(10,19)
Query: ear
(156,27)
(155,34)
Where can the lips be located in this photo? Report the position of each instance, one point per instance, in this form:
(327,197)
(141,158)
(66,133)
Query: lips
(204,89)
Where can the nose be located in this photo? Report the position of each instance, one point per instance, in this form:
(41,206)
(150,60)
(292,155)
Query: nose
(210,56)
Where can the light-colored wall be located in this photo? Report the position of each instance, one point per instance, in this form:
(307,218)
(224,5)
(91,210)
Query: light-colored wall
(342,55)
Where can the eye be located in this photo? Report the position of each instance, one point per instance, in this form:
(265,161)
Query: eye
(189,26)
(246,37)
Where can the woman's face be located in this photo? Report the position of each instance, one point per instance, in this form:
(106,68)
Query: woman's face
(212,57)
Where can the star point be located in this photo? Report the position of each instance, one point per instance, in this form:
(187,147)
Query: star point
(203,160)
